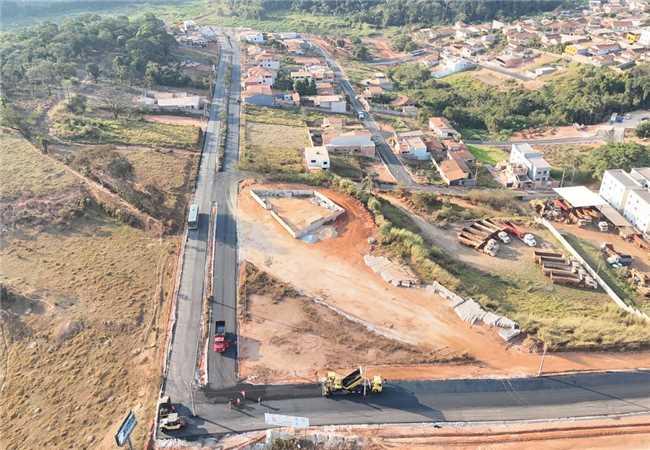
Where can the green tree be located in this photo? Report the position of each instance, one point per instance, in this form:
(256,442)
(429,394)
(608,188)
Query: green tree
(93,71)
(643,129)
(616,156)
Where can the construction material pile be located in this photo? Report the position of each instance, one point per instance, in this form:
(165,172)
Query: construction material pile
(559,210)
(471,312)
(483,235)
(564,271)
(392,273)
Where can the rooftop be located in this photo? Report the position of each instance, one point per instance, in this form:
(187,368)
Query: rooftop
(454,169)
(622,177)
(580,196)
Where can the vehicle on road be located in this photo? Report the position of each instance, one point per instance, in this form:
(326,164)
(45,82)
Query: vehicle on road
(172,422)
(193,217)
(353,383)
(361,115)
(220,343)
(165,407)
(643,119)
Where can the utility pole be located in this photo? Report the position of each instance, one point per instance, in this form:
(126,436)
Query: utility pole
(541,363)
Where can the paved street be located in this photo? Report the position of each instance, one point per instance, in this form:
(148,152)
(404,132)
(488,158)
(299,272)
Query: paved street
(222,368)
(185,341)
(436,401)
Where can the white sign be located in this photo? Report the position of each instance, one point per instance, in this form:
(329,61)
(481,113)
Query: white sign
(286,421)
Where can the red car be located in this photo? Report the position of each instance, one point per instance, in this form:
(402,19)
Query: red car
(220,343)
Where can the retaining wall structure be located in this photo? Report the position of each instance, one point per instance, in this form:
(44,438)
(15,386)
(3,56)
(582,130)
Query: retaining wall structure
(260,196)
(613,295)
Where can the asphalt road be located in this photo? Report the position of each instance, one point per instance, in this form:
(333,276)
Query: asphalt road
(222,368)
(552,397)
(181,373)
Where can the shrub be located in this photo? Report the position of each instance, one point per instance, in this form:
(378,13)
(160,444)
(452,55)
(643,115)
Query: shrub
(120,167)
(643,129)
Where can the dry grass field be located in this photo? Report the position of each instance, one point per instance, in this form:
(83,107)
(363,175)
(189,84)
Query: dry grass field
(273,148)
(81,309)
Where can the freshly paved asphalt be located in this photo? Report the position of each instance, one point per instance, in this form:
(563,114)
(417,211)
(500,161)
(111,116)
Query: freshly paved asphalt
(486,400)
(222,368)
(182,372)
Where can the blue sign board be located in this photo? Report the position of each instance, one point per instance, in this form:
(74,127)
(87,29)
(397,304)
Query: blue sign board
(125,430)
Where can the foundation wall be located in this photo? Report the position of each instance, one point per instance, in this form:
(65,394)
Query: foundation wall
(260,197)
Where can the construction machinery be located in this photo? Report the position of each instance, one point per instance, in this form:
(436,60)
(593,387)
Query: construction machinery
(165,407)
(353,383)
(173,422)
(220,343)
(614,258)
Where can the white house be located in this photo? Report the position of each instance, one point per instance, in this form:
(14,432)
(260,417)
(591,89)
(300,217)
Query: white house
(350,142)
(410,144)
(539,171)
(317,158)
(616,186)
(442,128)
(637,209)
(335,103)
(253,37)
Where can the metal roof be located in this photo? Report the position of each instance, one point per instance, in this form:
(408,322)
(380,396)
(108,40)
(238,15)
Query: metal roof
(580,196)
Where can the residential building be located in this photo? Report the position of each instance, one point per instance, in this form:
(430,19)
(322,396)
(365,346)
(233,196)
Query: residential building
(259,75)
(352,142)
(334,103)
(267,60)
(317,158)
(642,176)
(324,88)
(300,75)
(372,91)
(190,102)
(616,187)
(381,80)
(260,95)
(539,171)
(462,153)
(442,128)
(253,37)
(455,172)
(637,210)
(604,49)
(410,145)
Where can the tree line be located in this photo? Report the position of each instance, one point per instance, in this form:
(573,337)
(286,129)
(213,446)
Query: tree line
(586,95)
(117,47)
(400,12)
